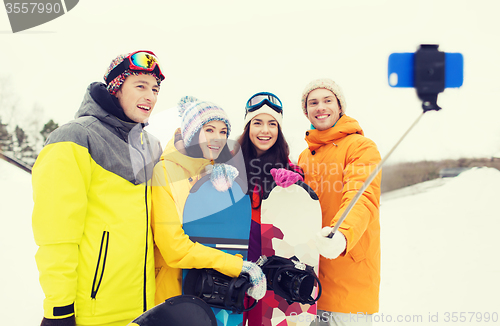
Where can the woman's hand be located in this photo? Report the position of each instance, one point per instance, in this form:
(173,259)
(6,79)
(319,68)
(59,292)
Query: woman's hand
(285,178)
(257,279)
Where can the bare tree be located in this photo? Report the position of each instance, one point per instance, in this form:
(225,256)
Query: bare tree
(48,128)
(20,130)
(6,139)
(9,101)
(32,125)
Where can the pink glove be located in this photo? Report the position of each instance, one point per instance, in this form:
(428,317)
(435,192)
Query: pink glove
(285,178)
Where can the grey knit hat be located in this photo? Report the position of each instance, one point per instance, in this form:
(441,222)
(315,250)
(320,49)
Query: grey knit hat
(327,84)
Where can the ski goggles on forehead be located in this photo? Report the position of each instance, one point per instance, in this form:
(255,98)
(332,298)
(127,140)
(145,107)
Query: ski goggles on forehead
(264,98)
(138,61)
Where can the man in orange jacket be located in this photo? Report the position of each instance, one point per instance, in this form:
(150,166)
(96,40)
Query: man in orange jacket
(336,163)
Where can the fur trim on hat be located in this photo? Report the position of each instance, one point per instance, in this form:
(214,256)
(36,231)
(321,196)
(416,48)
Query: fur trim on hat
(327,84)
(185,103)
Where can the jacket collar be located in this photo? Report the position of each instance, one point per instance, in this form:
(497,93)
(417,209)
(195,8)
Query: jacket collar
(98,103)
(345,126)
(194,166)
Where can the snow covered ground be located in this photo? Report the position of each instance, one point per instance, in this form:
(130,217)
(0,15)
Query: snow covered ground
(20,293)
(440,252)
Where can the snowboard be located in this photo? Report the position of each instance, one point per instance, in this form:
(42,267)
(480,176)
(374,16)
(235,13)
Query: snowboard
(220,220)
(290,218)
(178,311)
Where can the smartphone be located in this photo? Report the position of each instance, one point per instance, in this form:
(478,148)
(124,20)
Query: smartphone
(401,70)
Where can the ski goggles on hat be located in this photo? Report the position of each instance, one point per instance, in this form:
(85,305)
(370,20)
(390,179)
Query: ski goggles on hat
(138,61)
(269,99)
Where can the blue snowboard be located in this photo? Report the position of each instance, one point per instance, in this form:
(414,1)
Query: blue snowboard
(220,220)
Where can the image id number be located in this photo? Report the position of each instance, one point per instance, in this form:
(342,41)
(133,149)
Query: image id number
(470,317)
(33,7)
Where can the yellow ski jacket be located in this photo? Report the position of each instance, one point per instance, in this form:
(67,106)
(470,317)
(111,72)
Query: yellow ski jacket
(91,218)
(173,178)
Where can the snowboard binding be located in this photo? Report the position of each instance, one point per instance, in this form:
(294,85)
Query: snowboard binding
(289,278)
(218,290)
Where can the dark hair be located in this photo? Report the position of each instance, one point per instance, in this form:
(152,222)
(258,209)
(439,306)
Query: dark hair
(258,168)
(194,150)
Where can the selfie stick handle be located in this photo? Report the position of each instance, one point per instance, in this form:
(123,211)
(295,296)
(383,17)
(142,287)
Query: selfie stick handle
(369,180)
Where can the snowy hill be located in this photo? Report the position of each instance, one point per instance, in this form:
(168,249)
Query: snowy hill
(20,293)
(414,189)
(439,252)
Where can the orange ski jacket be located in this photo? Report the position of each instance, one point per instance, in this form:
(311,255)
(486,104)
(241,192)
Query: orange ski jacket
(336,163)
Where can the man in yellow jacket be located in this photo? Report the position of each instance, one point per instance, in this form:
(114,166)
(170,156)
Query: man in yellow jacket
(336,163)
(92,202)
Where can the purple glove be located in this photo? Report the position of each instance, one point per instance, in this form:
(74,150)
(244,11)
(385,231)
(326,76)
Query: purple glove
(285,178)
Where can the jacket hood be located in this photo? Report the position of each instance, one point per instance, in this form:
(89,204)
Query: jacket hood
(91,107)
(193,165)
(345,126)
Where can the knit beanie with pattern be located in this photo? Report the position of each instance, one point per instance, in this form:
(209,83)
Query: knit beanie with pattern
(195,114)
(114,85)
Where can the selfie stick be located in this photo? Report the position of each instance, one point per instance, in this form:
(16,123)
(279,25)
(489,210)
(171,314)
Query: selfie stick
(369,180)
(429,65)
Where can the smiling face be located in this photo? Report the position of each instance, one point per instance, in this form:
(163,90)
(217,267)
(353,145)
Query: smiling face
(263,132)
(322,108)
(212,139)
(137,96)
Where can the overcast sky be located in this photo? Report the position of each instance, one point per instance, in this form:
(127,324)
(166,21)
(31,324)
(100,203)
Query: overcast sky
(225,51)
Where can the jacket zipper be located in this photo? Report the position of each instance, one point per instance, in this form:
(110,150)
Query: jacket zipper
(145,305)
(144,294)
(99,271)
(148,146)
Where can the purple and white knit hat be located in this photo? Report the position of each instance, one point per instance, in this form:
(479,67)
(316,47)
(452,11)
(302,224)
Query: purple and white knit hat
(195,114)
(114,85)
(327,84)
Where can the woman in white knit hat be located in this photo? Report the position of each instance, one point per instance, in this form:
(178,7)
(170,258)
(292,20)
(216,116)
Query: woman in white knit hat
(204,131)
(266,152)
